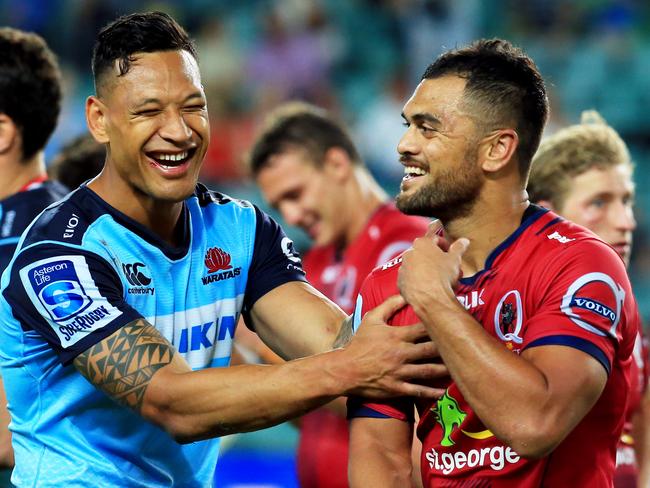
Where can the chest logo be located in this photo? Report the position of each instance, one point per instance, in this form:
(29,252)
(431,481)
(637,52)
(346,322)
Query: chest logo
(217,259)
(508,318)
(219,268)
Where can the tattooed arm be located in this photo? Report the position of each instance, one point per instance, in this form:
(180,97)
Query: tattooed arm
(139,368)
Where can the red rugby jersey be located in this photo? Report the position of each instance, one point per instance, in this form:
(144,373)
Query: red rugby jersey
(322,455)
(550,283)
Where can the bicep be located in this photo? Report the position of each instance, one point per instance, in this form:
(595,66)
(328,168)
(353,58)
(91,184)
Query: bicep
(123,364)
(296,320)
(380,452)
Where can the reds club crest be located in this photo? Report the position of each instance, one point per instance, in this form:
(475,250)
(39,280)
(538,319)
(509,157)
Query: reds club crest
(508,319)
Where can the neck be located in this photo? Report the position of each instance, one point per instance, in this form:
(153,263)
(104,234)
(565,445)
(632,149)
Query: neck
(365,197)
(15,174)
(160,217)
(489,223)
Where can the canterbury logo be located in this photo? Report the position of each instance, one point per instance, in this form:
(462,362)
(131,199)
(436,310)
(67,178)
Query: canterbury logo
(134,275)
(217,259)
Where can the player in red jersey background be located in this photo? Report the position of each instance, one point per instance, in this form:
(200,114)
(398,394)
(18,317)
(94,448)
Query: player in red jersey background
(308,168)
(533,316)
(584,173)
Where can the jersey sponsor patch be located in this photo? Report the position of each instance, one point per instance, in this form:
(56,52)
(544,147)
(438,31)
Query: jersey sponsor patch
(594,301)
(64,292)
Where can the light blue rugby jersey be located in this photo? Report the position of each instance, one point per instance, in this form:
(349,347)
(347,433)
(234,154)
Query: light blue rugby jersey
(84,270)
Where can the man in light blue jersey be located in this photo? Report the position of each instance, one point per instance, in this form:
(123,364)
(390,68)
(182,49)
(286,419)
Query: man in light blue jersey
(120,304)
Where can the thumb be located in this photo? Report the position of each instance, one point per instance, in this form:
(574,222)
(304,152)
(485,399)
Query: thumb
(388,308)
(433,228)
(459,246)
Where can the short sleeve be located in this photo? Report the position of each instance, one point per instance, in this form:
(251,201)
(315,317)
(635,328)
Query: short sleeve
(588,304)
(370,295)
(71,297)
(275,260)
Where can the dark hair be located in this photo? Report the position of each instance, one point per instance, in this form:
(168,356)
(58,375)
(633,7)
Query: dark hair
(81,159)
(505,84)
(298,125)
(136,33)
(30,87)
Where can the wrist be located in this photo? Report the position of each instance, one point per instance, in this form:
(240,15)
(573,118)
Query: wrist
(435,301)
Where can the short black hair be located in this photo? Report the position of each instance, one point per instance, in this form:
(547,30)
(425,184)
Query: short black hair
(80,159)
(507,86)
(299,125)
(30,87)
(146,32)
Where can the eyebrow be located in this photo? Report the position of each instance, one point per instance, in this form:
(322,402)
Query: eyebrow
(147,101)
(423,117)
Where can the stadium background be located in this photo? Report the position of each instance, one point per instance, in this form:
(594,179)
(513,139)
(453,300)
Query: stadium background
(361,59)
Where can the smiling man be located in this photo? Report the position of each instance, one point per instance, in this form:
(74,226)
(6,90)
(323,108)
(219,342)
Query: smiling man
(534,316)
(119,308)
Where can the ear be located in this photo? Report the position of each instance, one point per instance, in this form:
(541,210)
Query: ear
(337,164)
(546,204)
(497,149)
(9,133)
(96,119)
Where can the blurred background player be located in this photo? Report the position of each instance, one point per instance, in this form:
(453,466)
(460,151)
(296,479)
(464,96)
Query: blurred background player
(308,168)
(30,102)
(80,159)
(584,173)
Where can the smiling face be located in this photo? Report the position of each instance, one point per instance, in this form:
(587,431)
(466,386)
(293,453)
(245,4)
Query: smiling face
(439,150)
(154,121)
(601,200)
(305,195)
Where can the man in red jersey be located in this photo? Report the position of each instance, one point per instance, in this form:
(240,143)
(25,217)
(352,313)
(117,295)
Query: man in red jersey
(584,173)
(533,316)
(308,168)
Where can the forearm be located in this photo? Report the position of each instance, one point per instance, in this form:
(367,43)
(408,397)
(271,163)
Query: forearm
(200,404)
(508,392)
(380,453)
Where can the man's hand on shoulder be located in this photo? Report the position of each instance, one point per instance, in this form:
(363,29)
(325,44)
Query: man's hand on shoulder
(385,361)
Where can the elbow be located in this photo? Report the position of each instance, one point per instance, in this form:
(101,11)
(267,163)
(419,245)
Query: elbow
(161,407)
(533,442)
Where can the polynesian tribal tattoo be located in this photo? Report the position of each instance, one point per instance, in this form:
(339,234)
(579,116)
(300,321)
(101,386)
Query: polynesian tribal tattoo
(123,364)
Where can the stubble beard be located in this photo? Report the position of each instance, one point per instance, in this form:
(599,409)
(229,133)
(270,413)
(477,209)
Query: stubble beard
(451,196)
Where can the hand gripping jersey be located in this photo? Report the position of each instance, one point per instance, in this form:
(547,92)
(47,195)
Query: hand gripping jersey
(323,448)
(82,271)
(550,283)
(17,211)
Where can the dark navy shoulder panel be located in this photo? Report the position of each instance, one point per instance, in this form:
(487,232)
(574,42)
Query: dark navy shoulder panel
(71,297)
(275,261)
(19,210)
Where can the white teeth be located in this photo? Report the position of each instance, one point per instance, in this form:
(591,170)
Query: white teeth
(173,157)
(414,170)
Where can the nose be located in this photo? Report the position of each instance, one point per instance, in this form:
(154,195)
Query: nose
(291,212)
(407,144)
(174,128)
(623,216)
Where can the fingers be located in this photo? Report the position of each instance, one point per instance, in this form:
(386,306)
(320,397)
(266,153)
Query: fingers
(419,391)
(388,308)
(433,228)
(427,371)
(459,246)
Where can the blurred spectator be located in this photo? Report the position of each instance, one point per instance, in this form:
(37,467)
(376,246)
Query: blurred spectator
(80,159)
